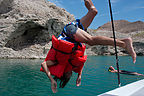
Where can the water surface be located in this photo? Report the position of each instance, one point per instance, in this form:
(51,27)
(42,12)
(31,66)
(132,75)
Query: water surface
(21,77)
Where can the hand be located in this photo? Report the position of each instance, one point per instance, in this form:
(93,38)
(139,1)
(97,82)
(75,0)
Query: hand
(78,81)
(54,86)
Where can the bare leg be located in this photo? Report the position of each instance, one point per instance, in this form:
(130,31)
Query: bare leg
(88,18)
(139,74)
(129,48)
(45,67)
(135,73)
(84,37)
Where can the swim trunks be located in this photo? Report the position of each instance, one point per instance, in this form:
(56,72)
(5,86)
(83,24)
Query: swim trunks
(71,28)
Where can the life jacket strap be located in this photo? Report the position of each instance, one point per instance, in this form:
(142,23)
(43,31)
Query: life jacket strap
(73,49)
(61,51)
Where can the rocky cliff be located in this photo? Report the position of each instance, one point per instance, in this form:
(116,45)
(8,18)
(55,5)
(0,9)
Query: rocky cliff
(26,27)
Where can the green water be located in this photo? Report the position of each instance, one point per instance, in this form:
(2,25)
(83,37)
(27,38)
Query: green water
(23,78)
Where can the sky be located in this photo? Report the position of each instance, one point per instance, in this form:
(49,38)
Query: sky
(130,10)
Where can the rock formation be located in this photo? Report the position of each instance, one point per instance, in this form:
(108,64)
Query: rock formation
(26,27)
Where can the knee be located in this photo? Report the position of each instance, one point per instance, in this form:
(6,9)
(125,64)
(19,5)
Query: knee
(95,11)
(90,6)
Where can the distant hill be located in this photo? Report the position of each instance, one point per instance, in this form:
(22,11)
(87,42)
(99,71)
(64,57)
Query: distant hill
(124,26)
(123,29)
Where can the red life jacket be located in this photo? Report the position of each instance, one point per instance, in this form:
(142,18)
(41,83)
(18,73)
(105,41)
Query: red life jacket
(68,56)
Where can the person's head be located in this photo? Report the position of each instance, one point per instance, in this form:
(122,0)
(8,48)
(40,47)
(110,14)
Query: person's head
(64,79)
(111,69)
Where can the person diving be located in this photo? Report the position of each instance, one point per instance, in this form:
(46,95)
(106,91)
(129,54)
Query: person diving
(73,58)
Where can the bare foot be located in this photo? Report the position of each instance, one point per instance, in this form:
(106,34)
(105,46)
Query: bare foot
(54,86)
(129,48)
(78,81)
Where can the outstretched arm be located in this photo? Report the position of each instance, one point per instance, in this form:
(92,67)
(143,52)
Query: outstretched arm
(78,81)
(45,68)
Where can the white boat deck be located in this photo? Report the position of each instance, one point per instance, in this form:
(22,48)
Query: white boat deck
(132,89)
